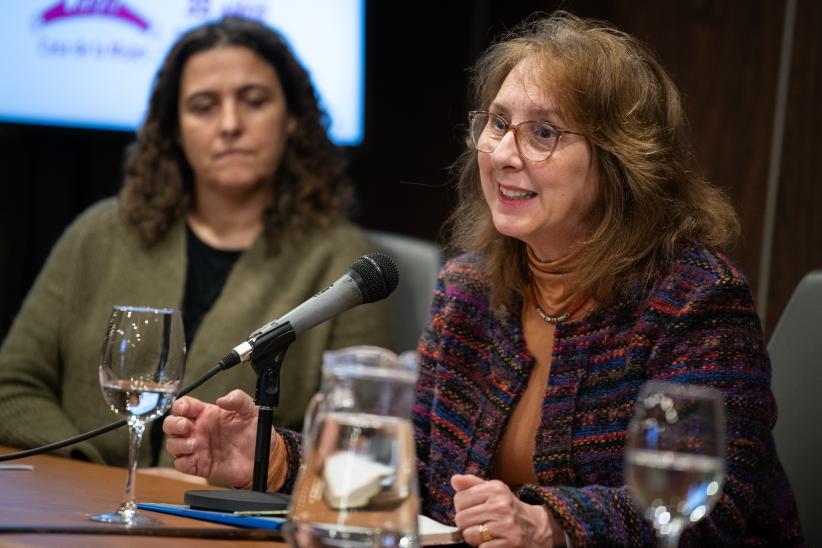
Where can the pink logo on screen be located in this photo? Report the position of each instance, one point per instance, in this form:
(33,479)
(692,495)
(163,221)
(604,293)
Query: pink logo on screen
(65,9)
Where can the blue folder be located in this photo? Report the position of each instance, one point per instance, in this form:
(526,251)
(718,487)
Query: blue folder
(226,518)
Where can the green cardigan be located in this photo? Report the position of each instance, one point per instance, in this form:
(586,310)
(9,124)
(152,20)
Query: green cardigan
(49,388)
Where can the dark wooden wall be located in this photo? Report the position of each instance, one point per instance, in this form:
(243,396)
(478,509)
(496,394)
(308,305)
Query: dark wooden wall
(797,234)
(724,54)
(725,58)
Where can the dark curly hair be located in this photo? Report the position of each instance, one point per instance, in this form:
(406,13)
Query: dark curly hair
(312,189)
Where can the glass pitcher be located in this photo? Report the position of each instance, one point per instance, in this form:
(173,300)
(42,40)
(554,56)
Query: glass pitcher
(358,482)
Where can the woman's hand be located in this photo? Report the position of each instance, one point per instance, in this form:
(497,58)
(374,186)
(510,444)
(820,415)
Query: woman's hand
(489,515)
(215,442)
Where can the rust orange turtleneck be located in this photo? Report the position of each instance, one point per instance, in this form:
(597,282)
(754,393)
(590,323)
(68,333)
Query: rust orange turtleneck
(513,461)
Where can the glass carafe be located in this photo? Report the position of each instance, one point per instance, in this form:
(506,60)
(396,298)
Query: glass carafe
(358,482)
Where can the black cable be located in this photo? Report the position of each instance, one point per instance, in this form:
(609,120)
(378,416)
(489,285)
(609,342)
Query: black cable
(60,444)
(229,361)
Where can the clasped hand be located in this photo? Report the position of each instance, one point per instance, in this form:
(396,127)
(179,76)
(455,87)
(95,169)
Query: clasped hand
(489,515)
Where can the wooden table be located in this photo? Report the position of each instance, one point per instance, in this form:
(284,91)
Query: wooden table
(60,492)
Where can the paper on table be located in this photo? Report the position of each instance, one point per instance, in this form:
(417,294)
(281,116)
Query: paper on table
(17,467)
(433,532)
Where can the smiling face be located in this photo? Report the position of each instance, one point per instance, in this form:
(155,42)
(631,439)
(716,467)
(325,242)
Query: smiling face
(233,118)
(544,204)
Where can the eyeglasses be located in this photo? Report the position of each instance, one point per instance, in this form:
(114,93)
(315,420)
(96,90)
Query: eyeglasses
(535,140)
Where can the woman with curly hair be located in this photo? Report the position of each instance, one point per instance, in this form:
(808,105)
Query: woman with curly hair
(233,209)
(592,261)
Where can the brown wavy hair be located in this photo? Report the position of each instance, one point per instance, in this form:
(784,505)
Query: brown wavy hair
(311,187)
(652,199)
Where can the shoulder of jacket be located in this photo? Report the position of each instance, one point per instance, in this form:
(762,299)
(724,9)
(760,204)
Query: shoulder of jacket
(695,273)
(344,233)
(465,268)
(99,218)
(338,237)
(462,283)
(696,265)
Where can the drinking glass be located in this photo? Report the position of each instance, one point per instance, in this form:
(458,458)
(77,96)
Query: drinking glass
(675,455)
(141,366)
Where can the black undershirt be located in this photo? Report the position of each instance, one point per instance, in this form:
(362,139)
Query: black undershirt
(208,269)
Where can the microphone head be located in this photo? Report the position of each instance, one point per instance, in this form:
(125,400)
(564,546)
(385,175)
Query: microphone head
(379,274)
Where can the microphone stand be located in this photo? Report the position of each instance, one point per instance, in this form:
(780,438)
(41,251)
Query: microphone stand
(267,358)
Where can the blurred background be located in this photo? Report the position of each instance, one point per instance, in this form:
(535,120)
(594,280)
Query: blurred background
(750,73)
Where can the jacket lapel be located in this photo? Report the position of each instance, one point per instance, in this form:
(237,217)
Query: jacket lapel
(506,370)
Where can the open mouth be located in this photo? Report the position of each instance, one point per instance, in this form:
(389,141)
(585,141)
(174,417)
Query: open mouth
(510,194)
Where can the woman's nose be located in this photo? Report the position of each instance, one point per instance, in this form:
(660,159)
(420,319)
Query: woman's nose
(230,122)
(507,154)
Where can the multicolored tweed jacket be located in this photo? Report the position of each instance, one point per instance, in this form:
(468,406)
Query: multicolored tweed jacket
(697,326)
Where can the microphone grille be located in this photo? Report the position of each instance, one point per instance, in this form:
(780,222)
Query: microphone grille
(379,274)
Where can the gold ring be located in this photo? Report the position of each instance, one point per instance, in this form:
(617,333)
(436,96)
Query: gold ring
(485,536)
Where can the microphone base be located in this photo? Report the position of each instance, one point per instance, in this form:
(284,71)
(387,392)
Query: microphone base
(230,500)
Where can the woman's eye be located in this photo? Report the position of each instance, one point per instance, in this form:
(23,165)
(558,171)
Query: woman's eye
(498,124)
(544,132)
(200,106)
(254,98)
(255,102)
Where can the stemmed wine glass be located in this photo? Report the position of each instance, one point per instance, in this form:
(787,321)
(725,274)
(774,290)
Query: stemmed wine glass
(141,365)
(675,455)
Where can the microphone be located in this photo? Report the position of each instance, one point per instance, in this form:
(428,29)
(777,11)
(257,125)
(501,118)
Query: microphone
(371,278)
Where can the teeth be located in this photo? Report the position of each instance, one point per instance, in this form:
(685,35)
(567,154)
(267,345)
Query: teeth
(516,194)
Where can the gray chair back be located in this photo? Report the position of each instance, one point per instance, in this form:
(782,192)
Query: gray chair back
(419,262)
(795,349)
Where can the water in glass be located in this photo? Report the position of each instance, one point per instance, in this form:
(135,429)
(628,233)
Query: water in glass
(674,458)
(141,365)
